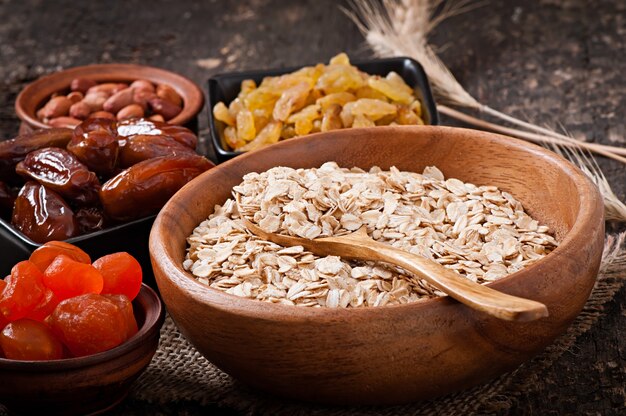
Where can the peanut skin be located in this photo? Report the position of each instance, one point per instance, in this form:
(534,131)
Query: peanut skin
(156,117)
(130,111)
(82,84)
(56,107)
(75,96)
(108,88)
(95,100)
(165,108)
(169,94)
(80,110)
(102,114)
(142,97)
(64,121)
(142,84)
(118,100)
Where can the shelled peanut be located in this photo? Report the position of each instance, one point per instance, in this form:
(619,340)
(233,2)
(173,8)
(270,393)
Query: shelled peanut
(112,100)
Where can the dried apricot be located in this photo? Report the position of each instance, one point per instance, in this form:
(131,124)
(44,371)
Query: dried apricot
(23,292)
(68,278)
(44,255)
(45,306)
(121,273)
(88,324)
(126,307)
(26,339)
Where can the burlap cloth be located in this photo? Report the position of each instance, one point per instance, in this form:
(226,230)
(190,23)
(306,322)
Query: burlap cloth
(179,373)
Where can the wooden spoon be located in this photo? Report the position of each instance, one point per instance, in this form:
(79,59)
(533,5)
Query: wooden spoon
(358,245)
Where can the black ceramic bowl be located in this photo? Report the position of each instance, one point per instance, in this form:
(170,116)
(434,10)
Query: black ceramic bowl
(131,237)
(226,87)
(84,385)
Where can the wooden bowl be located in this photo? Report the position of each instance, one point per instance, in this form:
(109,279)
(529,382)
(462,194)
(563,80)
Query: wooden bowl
(36,94)
(390,354)
(85,385)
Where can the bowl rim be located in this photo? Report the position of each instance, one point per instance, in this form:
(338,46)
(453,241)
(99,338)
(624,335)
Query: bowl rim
(428,99)
(590,204)
(192,103)
(154,317)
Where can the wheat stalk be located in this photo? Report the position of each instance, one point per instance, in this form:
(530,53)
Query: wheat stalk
(401,27)
(614,209)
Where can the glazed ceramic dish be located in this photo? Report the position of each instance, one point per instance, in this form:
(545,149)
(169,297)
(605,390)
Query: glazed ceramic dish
(390,354)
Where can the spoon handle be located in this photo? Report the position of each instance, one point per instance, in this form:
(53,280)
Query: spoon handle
(476,296)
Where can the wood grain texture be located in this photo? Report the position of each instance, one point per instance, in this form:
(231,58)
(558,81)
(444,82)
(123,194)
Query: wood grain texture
(359,246)
(84,385)
(398,353)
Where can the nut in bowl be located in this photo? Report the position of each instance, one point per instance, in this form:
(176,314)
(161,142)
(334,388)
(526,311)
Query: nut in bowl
(397,352)
(118,91)
(253,109)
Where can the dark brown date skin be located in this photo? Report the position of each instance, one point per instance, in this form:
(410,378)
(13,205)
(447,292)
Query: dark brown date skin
(7,199)
(143,147)
(42,215)
(144,188)
(60,171)
(140,126)
(90,219)
(13,151)
(95,143)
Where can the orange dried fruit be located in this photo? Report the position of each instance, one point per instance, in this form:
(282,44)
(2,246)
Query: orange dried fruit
(68,278)
(88,324)
(121,274)
(23,292)
(30,340)
(44,255)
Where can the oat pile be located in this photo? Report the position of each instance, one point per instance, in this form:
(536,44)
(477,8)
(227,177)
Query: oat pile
(478,231)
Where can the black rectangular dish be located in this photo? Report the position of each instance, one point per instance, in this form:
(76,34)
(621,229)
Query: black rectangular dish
(131,237)
(225,87)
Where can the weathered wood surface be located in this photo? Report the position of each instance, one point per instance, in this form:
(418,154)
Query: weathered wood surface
(551,61)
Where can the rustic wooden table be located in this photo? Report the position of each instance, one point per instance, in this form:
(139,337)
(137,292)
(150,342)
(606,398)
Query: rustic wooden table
(551,61)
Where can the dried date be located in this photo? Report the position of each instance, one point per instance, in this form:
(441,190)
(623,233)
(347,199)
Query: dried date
(144,188)
(135,127)
(42,215)
(15,150)
(95,143)
(60,171)
(143,147)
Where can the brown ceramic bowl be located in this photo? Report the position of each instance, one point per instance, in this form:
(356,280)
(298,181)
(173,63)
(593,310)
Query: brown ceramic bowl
(390,354)
(36,94)
(85,385)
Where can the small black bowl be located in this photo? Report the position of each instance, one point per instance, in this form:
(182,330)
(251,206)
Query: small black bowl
(131,237)
(226,87)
